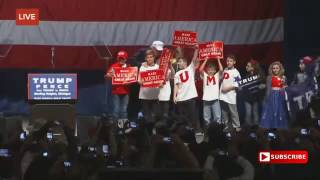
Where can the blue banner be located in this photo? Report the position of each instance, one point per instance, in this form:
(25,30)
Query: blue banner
(52,86)
(299,95)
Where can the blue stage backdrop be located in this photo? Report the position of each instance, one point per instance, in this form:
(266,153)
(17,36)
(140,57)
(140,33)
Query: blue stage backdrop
(93,92)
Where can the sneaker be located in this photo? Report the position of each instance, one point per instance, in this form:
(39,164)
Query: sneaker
(128,130)
(226,129)
(199,137)
(122,123)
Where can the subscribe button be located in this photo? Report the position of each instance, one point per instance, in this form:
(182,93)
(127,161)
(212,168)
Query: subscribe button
(283,157)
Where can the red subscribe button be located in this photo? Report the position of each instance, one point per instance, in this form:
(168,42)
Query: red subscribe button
(283,157)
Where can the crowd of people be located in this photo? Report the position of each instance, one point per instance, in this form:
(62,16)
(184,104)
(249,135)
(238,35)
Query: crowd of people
(178,126)
(51,151)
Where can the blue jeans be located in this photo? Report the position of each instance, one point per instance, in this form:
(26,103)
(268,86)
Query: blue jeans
(120,104)
(211,111)
(230,116)
(252,113)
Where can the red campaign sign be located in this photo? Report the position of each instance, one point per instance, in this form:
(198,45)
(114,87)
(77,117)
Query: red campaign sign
(184,38)
(211,50)
(166,55)
(124,75)
(152,78)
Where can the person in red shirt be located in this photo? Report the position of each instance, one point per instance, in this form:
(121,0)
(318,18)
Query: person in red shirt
(120,93)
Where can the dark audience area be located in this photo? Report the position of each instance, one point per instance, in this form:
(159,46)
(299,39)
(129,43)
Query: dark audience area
(139,151)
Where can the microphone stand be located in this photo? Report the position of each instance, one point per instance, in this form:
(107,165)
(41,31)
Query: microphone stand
(52,57)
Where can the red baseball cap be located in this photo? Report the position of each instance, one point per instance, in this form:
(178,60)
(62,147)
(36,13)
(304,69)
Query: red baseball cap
(306,60)
(122,54)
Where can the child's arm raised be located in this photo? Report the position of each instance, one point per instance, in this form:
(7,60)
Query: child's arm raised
(195,56)
(179,52)
(201,69)
(220,66)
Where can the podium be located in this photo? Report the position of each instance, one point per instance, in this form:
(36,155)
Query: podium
(52,97)
(64,113)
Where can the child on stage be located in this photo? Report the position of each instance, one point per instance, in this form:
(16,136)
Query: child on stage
(274,114)
(120,93)
(185,91)
(211,104)
(228,95)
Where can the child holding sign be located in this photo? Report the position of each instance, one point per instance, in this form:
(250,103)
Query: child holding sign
(185,91)
(211,104)
(120,93)
(148,95)
(165,93)
(252,91)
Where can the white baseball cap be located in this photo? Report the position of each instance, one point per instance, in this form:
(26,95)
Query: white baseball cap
(158,45)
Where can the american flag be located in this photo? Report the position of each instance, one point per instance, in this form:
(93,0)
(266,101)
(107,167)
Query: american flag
(249,28)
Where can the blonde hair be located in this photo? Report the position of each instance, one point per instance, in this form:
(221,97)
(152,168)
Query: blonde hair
(233,57)
(281,72)
(149,52)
